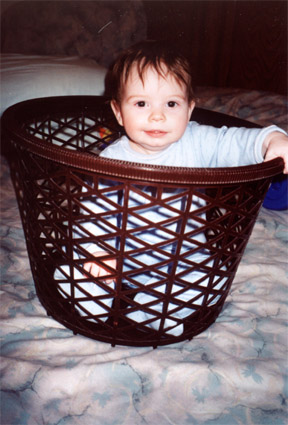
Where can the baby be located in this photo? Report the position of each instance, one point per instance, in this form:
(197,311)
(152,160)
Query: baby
(153,100)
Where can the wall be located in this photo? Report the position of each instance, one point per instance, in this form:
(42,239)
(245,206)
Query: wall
(99,29)
(230,43)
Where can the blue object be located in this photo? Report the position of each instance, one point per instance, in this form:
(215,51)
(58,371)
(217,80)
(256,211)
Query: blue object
(277,195)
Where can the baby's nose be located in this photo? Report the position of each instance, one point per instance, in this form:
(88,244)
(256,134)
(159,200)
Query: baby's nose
(157,115)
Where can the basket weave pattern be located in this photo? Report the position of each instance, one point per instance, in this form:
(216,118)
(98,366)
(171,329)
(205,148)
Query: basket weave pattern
(176,242)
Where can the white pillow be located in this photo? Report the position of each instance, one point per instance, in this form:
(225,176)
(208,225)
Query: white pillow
(27,76)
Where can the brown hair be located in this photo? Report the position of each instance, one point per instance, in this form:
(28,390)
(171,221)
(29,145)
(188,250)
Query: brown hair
(156,54)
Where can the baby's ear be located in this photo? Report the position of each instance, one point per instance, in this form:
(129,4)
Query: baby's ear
(191,108)
(117,111)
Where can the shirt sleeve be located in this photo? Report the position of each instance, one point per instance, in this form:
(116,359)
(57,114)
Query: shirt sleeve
(228,147)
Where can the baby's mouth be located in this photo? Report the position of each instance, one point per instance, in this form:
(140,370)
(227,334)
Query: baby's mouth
(155,133)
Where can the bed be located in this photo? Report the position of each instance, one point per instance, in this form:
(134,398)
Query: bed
(232,373)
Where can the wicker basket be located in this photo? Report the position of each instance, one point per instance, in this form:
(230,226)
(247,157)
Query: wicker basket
(167,287)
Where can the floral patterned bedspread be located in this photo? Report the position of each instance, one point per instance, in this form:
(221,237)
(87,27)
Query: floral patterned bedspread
(260,107)
(233,373)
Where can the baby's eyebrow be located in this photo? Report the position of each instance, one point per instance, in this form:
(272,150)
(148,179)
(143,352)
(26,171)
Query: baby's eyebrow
(136,96)
(177,96)
(143,96)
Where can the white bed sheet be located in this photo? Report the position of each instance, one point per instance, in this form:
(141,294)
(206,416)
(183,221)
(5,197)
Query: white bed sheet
(26,77)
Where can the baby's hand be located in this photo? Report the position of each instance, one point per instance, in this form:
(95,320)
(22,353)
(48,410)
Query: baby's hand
(95,270)
(276,145)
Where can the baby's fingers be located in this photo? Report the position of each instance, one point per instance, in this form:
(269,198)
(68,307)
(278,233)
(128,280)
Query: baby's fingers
(92,268)
(278,147)
(270,155)
(97,271)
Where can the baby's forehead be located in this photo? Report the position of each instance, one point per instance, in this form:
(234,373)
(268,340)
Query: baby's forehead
(140,70)
(138,73)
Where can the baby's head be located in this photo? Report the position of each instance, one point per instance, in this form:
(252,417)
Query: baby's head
(152,95)
(157,55)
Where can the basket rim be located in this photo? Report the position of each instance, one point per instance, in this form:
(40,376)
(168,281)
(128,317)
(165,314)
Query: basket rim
(86,161)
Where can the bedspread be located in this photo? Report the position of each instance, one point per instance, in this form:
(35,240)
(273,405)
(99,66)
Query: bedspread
(233,373)
(257,106)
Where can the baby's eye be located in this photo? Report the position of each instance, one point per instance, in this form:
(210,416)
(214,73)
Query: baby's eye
(172,104)
(141,103)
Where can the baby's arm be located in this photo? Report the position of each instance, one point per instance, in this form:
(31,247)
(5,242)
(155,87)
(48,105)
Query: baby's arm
(276,145)
(97,271)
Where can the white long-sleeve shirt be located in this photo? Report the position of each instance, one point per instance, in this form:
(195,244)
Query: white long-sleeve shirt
(201,146)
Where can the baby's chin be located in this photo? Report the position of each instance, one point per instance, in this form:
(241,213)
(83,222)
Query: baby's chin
(150,149)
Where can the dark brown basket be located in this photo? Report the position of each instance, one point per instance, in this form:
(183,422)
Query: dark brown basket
(167,288)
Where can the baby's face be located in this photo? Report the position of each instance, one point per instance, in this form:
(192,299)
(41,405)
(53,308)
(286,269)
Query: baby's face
(154,114)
